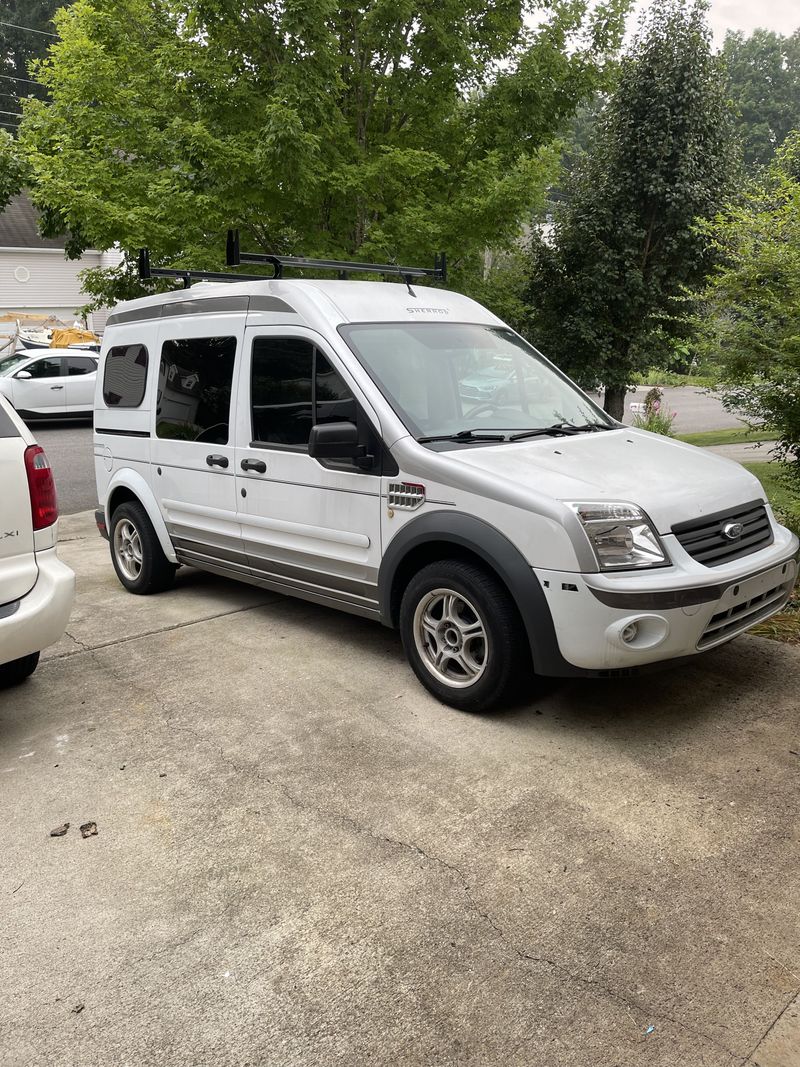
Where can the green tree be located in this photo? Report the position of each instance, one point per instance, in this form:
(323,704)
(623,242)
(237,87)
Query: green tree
(21,43)
(750,319)
(386,128)
(606,284)
(12,169)
(764,78)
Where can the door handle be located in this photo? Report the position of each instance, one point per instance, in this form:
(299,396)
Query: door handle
(217,461)
(254,465)
(56,386)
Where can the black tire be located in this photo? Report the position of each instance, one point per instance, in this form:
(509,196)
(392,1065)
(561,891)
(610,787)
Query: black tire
(502,653)
(18,670)
(155,573)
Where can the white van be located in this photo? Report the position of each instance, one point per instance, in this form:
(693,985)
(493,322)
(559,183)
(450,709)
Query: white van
(401,454)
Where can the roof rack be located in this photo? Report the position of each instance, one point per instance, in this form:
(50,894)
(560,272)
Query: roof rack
(234,257)
(189,276)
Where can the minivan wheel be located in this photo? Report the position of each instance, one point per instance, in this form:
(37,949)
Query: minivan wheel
(136,553)
(18,670)
(462,635)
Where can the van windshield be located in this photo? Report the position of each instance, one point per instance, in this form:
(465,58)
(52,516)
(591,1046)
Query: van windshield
(444,379)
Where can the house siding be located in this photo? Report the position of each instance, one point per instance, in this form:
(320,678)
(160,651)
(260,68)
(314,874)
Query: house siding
(52,285)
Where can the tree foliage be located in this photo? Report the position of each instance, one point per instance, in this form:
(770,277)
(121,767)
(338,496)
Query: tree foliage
(13,171)
(606,287)
(751,305)
(764,78)
(386,128)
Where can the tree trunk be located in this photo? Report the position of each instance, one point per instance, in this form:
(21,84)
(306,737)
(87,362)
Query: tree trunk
(614,401)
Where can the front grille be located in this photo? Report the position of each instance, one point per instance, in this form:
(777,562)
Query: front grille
(742,616)
(704,539)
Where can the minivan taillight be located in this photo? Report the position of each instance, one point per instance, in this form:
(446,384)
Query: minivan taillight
(44,507)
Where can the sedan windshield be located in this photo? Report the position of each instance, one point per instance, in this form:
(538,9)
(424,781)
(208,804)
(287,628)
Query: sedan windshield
(8,363)
(463,381)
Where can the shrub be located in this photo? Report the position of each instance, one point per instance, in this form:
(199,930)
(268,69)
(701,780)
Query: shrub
(656,417)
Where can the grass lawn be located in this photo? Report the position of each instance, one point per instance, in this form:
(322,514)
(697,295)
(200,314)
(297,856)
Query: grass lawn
(785,503)
(736,436)
(785,499)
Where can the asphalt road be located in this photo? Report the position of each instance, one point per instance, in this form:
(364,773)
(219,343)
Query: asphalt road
(70,446)
(695,409)
(69,449)
(303,860)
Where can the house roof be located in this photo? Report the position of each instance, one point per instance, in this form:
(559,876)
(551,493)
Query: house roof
(19,226)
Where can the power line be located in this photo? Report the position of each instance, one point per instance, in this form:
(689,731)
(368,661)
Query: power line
(30,29)
(14,114)
(29,81)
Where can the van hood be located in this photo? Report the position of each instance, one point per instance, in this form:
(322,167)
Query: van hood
(671,481)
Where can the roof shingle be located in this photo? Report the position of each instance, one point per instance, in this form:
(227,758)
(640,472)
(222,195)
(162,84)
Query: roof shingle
(19,226)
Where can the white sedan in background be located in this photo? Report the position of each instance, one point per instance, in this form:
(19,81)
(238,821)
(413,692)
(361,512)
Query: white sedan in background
(36,588)
(50,383)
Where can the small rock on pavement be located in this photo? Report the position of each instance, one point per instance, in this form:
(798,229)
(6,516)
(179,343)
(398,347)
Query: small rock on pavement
(89,829)
(60,830)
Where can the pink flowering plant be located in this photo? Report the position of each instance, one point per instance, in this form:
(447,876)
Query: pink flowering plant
(657,416)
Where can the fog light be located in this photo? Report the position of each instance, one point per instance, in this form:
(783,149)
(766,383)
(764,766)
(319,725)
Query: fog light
(630,633)
(638,633)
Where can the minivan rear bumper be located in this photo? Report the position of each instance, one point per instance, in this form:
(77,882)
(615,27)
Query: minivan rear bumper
(38,619)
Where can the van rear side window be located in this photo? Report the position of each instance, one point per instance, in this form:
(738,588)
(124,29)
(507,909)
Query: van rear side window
(194,389)
(125,376)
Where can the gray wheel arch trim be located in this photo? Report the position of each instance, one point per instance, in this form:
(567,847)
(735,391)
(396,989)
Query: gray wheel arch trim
(495,549)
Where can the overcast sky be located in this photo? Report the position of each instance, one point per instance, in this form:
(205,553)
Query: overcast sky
(780,15)
(783,16)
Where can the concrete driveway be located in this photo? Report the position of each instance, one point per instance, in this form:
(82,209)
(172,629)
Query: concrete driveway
(302,859)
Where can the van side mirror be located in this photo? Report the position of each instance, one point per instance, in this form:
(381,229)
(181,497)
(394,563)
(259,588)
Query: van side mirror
(334,440)
(23,375)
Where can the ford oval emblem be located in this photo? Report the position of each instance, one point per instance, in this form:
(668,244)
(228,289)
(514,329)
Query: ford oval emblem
(733,530)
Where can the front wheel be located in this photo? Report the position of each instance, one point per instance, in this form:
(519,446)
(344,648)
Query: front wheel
(463,636)
(136,552)
(18,670)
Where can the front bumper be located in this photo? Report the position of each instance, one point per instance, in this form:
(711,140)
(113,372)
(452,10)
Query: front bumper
(38,619)
(615,623)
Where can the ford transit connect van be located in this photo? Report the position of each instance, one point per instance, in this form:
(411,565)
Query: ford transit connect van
(401,454)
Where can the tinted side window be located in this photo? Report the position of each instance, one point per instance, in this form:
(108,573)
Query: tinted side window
(125,376)
(281,390)
(194,389)
(80,365)
(46,368)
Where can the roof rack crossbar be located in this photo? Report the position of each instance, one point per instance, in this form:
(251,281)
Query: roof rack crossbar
(189,276)
(341,266)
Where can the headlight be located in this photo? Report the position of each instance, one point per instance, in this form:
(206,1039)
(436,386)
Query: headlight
(621,536)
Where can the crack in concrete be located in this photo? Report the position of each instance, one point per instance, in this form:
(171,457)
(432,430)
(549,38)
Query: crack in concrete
(749,1057)
(83,646)
(593,985)
(154,633)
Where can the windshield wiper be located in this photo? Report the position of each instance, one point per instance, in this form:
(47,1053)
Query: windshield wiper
(462,435)
(599,426)
(567,429)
